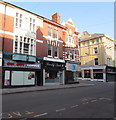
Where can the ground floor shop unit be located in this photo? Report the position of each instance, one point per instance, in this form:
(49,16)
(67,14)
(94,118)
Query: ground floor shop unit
(98,73)
(20,72)
(53,71)
(71,72)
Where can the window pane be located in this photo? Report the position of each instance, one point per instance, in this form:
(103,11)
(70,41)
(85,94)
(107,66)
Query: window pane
(49,31)
(55,51)
(16,46)
(96,61)
(26,48)
(50,50)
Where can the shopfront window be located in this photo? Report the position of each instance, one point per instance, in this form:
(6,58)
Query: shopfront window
(7,78)
(87,73)
(52,76)
(80,74)
(98,75)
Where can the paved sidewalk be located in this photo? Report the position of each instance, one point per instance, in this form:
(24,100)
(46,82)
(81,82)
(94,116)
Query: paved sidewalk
(42,88)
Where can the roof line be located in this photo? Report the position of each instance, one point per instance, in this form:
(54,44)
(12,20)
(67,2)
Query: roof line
(33,13)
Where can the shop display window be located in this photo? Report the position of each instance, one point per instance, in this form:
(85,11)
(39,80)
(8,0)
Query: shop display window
(98,75)
(52,77)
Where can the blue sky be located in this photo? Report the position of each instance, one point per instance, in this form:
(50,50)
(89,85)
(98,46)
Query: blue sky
(94,17)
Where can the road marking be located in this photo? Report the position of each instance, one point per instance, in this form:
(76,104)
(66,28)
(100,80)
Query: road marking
(41,115)
(28,113)
(105,98)
(93,100)
(74,106)
(17,114)
(60,109)
(85,103)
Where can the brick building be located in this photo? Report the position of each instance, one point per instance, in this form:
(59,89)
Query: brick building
(33,49)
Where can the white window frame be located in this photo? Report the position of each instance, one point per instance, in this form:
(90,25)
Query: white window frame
(49,31)
(32,25)
(57,52)
(55,34)
(51,51)
(18,20)
(30,41)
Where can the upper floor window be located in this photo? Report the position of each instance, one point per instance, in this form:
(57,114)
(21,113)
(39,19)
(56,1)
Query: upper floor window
(49,50)
(96,61)
(70,31)
(32,24)
(68,54)
(92,41)
(55,51)
(95,50)
(23,45)
(56,34)
(16,44)
(97,41)
(18,20)
(50,32)
(73,56)
(70,39)
(109,61)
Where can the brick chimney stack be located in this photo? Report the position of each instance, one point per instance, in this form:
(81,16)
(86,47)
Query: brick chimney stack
(56,18)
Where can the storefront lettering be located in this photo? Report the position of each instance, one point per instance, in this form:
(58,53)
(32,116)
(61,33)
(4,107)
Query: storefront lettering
(54,65)
(9,63)
(21,65)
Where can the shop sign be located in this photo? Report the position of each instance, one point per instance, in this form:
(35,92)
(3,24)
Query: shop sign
(71,67)
(111,71)
(86,71)
(68,66)
(54,65)
(21,65)
(74,67)
(99,71)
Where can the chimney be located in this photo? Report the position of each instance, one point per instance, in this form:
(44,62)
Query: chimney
(56,18)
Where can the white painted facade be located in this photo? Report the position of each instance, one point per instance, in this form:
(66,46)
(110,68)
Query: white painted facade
(91,68)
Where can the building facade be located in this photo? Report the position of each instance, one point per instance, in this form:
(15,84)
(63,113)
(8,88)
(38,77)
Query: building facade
(96,54)
(32,48)
(70,52)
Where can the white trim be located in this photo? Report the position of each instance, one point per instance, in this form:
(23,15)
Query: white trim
(6,32)
(40,41)
(54,60)
(52,39)
(65,31)
(92,67)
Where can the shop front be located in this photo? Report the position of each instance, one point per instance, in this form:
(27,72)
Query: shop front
(94,73)
(111,74)
(72,72)
(20,73)
(99,75)
(87,74)
(53,71)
